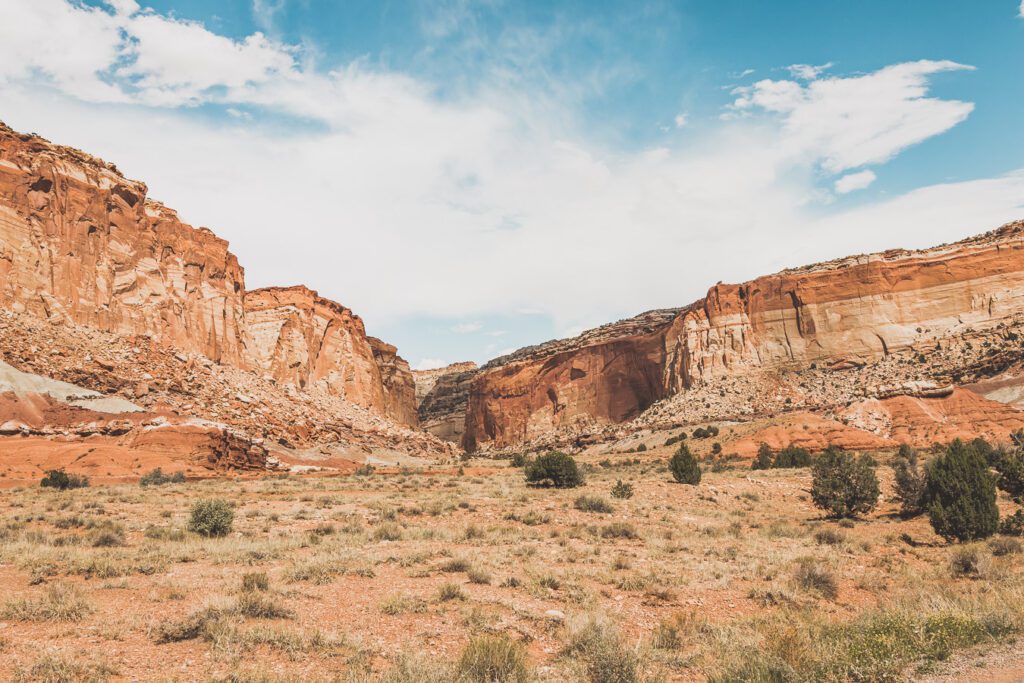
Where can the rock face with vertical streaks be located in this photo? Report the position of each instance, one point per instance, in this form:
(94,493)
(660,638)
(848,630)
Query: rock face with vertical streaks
(81,243)
(833,316)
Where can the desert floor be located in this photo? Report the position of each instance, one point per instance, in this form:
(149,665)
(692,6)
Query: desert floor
(389,574)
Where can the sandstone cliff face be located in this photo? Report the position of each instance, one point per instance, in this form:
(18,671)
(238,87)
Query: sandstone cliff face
(610,374)
(79,242)
(831,316)
(300,338)
(441,397)
(397,381)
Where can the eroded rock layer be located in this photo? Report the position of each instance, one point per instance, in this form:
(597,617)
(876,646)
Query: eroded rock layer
(441,396)
(830,317)
(81,244)
(301,339)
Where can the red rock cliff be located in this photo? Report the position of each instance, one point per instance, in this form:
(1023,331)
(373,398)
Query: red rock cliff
(80,242)
(844,312)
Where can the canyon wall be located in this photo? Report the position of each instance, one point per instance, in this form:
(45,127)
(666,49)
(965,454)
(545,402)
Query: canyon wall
(79,242)
(843,313)
(82,244)
(441,398)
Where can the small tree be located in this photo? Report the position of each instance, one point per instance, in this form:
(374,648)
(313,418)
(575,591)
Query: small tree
(684,467)
(211,518)
(553,469)
(764,458)
(911,481)
(844,485)
(961,494)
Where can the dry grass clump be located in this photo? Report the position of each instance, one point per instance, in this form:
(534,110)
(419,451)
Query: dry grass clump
(60,602)
(811,576)
(829,536)
(594,641)
(55,668)
(403,604)
(593,504)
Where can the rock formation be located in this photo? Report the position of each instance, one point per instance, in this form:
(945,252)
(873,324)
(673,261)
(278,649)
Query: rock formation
(301,339)
(441,397)
(80,244)
(831,317)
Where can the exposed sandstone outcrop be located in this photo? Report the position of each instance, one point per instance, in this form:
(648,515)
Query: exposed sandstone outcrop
(441,396)
(303,340)
(81,244)
(840,316)
(397,381)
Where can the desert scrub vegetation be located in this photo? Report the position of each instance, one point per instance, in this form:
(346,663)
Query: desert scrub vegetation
(62,481)
(211,517)
(960,495)
(553,469)
(156,477)
(593,504)
(622,490)
(788,457)
(59,602)
(884,644)
(684,467)
(844,485)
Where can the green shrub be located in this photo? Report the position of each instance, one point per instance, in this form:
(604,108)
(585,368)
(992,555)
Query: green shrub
(673,440)
(493,659)
(793,456)
(593,504)
(62,481)
(716,448)
(553,469)
(157,478)
(911,482)
(764,458)
(843,485)
(622,489)
(684,467)
(519,460)
(211,518)
(1013,525)
(961,494)
(641,448)
(1010,465)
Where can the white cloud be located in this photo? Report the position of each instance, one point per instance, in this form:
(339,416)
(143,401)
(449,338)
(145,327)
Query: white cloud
(681,120)
(851,122)
(467,328)
(854,181)
(807,72)
(492,201)
(1020,12)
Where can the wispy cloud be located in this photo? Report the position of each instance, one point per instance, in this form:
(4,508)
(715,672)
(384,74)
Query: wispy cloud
(850,122)
(494,199)
(807,72)
(854,181)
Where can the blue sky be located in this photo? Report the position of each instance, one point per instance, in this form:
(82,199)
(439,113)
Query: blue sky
(471,177)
